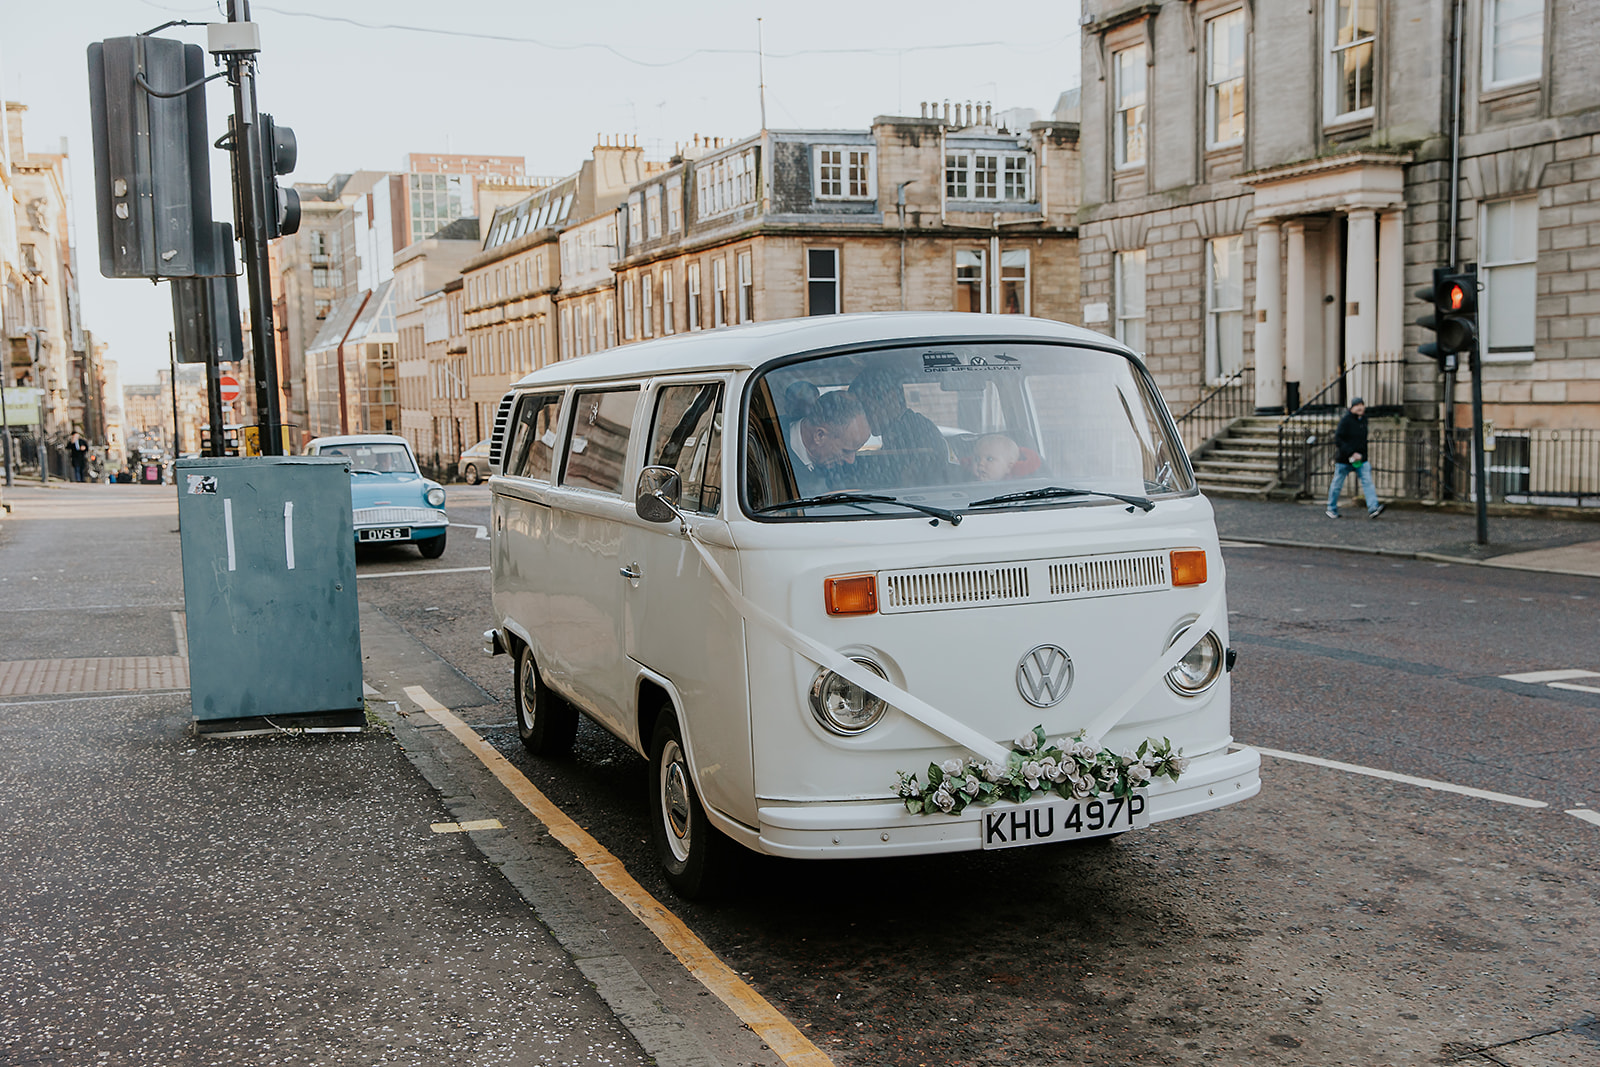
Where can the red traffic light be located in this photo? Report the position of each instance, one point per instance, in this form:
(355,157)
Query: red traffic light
(1457,296)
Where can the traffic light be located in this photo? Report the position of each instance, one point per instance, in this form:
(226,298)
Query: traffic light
(1454,322)
(278,153)
(152,172)
(205,311)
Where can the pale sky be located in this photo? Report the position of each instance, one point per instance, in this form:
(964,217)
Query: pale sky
(361,96)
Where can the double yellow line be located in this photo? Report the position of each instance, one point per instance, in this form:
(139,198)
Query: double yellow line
(720,980)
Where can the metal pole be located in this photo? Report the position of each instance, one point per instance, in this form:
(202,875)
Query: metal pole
(1479,478)
(177,427)
(1449,419)
(251,210)
(219,431)
(5,423)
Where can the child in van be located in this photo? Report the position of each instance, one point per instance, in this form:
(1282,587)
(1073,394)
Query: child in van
(993,456)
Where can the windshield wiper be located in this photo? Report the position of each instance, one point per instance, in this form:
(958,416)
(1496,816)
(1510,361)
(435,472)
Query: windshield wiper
(953,518)
(360,470)
(1050,491)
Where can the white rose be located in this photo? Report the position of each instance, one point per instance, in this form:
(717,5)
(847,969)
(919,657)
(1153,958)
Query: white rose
(909,788)
(994,772)
(1083,750)
(1027,742)
(970,786)
(1082,785)
(1129,756)
(1138,774)
(1180,763)
(943,800)
(1031,772)
(952,767)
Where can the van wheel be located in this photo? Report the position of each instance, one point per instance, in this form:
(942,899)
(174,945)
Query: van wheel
(694,853)
(432,547)
(472,474)
(545,723)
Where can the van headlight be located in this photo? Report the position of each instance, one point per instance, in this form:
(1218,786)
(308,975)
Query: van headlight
(1200,669)
(435,497)
(842,706)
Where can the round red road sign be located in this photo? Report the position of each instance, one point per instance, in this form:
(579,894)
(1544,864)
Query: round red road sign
(228,386)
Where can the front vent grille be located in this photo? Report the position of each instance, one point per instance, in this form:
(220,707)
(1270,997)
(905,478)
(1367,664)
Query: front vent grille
(1108,574)
(921,590)
(1032,581)
(393,516)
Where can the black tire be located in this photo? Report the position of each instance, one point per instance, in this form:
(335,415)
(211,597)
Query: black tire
(432,547)
(545,723)
(471,474)
(694,854)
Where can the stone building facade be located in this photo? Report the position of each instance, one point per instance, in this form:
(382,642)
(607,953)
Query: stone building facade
(912,214)
(1266,184)
(421,270)
(512,286)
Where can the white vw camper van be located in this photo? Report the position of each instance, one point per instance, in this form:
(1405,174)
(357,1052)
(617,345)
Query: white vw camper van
(868,585)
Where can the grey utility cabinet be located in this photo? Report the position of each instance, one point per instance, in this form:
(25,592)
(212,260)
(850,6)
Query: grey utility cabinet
(269,587)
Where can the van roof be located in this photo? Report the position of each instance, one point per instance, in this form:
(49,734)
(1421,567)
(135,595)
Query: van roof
(750,346)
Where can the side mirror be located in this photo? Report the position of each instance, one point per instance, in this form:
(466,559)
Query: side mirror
(657,495)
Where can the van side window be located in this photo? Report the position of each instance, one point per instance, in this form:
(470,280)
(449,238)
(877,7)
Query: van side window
(687,436)
(597,445)
(533,437)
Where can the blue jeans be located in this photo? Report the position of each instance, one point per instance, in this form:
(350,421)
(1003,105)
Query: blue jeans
(1341,471)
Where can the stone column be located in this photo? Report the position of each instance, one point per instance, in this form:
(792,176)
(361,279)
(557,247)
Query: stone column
(1269,320)
(1361,299)
(1294,316)
(1391,307)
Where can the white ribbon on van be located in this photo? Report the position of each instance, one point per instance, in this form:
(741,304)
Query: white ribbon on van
(921,710)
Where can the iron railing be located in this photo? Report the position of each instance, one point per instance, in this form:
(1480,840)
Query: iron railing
(1307,431)
(1232,398)
(1545,467)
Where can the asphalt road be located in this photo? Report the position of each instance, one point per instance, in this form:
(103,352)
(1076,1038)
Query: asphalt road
(1337,918)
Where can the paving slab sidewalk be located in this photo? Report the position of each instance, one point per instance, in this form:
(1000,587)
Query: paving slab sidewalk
(1529,542)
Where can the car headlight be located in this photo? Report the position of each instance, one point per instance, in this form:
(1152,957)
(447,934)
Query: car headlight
(1199,669)
(435,497)
(842,706)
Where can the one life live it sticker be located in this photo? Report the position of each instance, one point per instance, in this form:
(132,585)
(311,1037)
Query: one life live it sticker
(202,483)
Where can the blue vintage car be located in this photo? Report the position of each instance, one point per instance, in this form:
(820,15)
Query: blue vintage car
(392,502)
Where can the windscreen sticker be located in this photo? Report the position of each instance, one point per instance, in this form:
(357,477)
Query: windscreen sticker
(945,362)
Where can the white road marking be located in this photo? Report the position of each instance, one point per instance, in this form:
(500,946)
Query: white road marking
(1586,814)
(481,535)
(1238,544)
(1575,687)
(460,827)
(367,690)
(419,573)
(1391,776)
(1535,677)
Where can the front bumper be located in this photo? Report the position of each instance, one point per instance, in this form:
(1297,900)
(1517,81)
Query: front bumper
(858,829)
(424,522)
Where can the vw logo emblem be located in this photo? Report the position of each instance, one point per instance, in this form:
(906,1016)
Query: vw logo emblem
(1044,674)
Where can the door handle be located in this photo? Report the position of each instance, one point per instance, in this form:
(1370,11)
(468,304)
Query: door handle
(632,572)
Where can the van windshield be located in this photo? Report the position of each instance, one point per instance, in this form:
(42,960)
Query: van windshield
(996,425)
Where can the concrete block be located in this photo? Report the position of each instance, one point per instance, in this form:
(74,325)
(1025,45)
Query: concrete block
(1549,392)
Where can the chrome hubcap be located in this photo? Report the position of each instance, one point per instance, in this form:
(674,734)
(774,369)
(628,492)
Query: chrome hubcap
(530,693)
(675,800)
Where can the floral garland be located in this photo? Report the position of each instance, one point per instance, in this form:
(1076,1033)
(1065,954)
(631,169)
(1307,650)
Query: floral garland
(1072,769)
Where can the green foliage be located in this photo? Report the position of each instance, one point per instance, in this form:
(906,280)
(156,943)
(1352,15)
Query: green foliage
(1072,768)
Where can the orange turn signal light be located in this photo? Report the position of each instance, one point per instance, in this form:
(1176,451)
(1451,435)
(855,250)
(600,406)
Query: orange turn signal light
(851,594)
(1188,566)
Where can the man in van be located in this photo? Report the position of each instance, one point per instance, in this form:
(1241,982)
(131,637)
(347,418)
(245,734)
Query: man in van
(824,444)
(910,439)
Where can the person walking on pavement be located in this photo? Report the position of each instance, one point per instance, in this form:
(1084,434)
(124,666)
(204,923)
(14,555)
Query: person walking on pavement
(78,450)
(1350,454)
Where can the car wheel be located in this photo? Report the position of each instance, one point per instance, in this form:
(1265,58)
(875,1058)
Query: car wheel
(471,474)
(545,723)
(432,547)
(694,854)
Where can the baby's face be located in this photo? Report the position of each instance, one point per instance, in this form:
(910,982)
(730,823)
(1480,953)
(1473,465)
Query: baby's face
(992,461)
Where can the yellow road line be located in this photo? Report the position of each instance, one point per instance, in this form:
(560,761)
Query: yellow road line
(781,1035)
(461,827)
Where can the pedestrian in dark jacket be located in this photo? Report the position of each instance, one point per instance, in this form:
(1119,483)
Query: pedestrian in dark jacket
(1350,454)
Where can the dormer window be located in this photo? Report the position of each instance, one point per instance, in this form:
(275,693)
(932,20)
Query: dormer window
(843,173)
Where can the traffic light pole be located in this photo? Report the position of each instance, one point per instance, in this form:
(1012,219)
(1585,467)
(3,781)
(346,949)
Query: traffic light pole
(1480,481)
(251,211)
